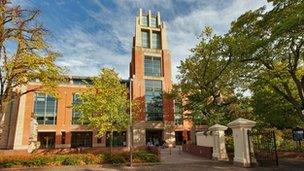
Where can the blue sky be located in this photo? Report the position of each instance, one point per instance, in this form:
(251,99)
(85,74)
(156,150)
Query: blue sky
(91,34)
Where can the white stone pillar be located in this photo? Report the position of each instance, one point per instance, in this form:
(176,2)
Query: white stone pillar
(219,147)
(242,149)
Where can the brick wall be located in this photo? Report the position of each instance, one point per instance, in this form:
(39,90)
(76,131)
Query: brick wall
(201,151)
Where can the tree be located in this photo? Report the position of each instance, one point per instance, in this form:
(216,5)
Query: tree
(207,78)
(272,42)
(104,105)
(271,109)
(24,54)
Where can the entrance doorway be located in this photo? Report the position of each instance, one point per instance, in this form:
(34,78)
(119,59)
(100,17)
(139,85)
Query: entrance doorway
(179,137)
(46,139)
(154,137)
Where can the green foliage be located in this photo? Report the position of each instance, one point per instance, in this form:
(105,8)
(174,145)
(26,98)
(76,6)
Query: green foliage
(103,158)
(145,157)
(10,163)
(70,160)
(207,79)
(75,159)
(118,159)
(272,43)
(272,109)
(105,104)
(285,143)
(29,59)
(262,52)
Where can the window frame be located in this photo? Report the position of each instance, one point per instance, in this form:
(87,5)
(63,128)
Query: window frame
(156,40)
(145,18)
(147,42)
(45,114)
(157,104)
(153,58)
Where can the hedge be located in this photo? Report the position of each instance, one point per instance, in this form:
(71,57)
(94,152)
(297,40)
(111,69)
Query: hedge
(74,159)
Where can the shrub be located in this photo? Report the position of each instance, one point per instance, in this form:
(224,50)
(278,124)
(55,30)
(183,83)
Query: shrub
(36,161)
(144,156)
(71,160)
(90,159)
(10,163)
(58,159)
(118,159)
(103,158)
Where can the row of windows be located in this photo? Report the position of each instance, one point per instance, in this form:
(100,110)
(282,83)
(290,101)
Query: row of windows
(156,40)
(45,109)
(145,21)
(46,106)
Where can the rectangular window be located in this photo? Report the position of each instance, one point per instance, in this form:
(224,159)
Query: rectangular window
(62,137)
(145,20)
(153,100)
(152,66)
(156,40)
(45,109)
(75,114)
(46,139)
(153,22)
(119,139)
(178,115)
(145,39)
(81,139)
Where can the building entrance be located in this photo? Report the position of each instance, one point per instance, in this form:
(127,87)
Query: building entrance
(154,137)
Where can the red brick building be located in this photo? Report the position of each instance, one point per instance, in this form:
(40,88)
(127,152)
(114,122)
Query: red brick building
(59,126)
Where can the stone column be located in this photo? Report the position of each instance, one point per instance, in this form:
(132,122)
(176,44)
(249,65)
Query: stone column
(219,147)
(242,149)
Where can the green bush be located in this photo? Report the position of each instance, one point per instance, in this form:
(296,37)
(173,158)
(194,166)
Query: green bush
(10,163)
(58,159)
(103,158)
(71,160)
(36,161)
(90,159)
(117,159)
(144,156)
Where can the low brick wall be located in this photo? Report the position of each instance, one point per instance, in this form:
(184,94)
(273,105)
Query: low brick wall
(201,151)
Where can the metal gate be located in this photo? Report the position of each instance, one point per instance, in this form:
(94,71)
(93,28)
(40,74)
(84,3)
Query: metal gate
(264,147)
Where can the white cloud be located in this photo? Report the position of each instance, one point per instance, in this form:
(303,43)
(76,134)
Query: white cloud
(183,30)
(85,52)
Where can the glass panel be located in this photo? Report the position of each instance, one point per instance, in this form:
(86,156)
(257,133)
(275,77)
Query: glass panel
(156,40)
(152,66)
(145,39)
(153,22)
(144,20)
(81,139)
(153,100)
(45,109)
(51,106)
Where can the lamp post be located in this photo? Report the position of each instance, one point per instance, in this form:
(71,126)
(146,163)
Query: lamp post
(130,122)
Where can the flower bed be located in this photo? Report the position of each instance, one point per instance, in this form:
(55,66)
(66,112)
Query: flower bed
(38,160)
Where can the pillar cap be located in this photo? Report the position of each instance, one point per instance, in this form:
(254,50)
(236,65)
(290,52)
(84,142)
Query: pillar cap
(217,127)
(241,122)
